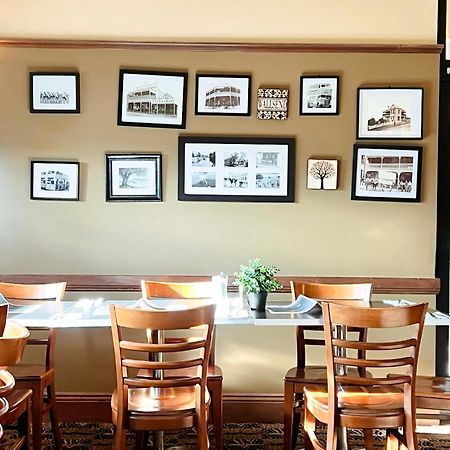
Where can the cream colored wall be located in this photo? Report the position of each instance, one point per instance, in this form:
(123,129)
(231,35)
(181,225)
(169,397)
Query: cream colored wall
(385,21)
(322,233)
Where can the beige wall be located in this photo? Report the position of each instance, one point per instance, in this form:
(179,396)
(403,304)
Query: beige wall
(322,233)
(384,21)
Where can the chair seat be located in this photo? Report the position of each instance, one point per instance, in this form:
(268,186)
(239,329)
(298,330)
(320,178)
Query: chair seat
(31,372)
(17,405)
(311,375)
(165,401)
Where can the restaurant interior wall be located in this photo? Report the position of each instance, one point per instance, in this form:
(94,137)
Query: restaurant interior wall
(321,233)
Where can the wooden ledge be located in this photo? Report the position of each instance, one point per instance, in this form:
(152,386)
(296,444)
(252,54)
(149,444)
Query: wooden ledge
(132,283)
(223,46)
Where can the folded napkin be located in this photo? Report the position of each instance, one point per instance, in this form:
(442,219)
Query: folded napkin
(301,305)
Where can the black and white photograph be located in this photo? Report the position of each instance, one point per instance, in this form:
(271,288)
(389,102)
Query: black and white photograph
(55,180)
(319,95)
(133,177)
(55,92)
(322,174)
(236,169)
(223,95)
(390,113)
(272,104)
(387,173)
(152,99)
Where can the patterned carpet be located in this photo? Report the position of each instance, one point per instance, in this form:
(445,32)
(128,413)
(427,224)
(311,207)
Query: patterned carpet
(91,436)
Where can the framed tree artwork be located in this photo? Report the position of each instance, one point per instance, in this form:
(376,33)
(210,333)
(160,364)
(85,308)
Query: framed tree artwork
(322,174)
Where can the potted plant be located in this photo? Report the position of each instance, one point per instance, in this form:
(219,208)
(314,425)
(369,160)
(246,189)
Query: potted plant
(257,280)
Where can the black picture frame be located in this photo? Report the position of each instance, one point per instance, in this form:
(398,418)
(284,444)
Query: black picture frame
(54,92)
(54,180)
(145,171)
(390,113)
(236,169)
(389,173)
(156,89)
(319,95)
(223,95)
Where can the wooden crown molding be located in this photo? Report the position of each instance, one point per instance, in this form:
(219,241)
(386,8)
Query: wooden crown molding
(223,46)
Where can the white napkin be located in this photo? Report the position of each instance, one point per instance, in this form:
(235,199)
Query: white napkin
(301,305)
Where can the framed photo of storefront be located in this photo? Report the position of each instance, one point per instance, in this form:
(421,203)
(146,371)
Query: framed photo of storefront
(390,113)
(133,177)
(319,95)
(224,95)
(236,169)
(55,180)
(152,99)
(55,92)
(387,173)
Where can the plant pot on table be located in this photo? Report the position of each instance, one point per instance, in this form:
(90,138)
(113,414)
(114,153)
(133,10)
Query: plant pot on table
(257,300)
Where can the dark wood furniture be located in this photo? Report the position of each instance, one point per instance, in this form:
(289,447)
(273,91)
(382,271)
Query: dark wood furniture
(367,402)
(306,375)
(40,378)
(195,290)
(163,401)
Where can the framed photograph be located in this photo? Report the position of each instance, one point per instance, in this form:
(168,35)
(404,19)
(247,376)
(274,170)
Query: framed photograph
(319,95)
(55,180)
(55,92)
(227,95)
(236,169)
(152,99)
(322,174)
(387,173)
(272,104)
(390,113)
(133,177)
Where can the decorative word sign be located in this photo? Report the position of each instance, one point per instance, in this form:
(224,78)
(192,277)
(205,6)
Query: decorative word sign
(272,104)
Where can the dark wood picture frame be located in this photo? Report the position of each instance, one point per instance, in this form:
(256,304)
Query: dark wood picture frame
(223,99)
(319,103)
(171,82)
(140,168)
(236,169)
(51,100)
(390,173)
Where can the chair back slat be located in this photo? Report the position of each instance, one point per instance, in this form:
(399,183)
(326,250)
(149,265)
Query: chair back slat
(162,365)
(195,290)
(192,344)
(166,383)
(395,345)
(385,363)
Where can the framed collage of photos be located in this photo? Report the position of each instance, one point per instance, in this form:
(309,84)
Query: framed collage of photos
(319,95)
(133,177)
(152,99)
(236,169)
(386,173)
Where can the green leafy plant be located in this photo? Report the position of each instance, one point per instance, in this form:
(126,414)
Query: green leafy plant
(256,277)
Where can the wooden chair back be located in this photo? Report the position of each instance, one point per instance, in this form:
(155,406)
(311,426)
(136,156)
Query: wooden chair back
(359,294)
(25,294)
(133,354)
(194,290)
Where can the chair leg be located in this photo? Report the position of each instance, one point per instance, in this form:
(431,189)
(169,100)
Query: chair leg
(202,432)
(215,389)
(297,419)
(309,426)
(391,441)
(54,415)
(368,438)
(140,439)
(24,426)
(37,399)
(119,438)
(288,415)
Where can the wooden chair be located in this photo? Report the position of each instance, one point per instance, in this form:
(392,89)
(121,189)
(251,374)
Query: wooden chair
(15,403)
(164,401)
(367,402)
(40,378)
(306,375)
(197,290)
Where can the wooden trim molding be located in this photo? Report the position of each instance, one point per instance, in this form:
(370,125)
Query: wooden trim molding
(222,46)
(132,283)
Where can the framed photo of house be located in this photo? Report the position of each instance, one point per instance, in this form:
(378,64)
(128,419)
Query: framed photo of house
(319,95)
(227,95)
(133,177)
(236,169)
(390,113)
(152,99)
(55,180)
(386,173)
(322,174)
(55,92)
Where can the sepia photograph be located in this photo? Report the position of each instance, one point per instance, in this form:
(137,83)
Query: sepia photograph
(55,92)
(133,177)
(236,169)
(54,180)
(223,95)
(152,99)
(388,173)
(322,174)
(390,113)
(319,95)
